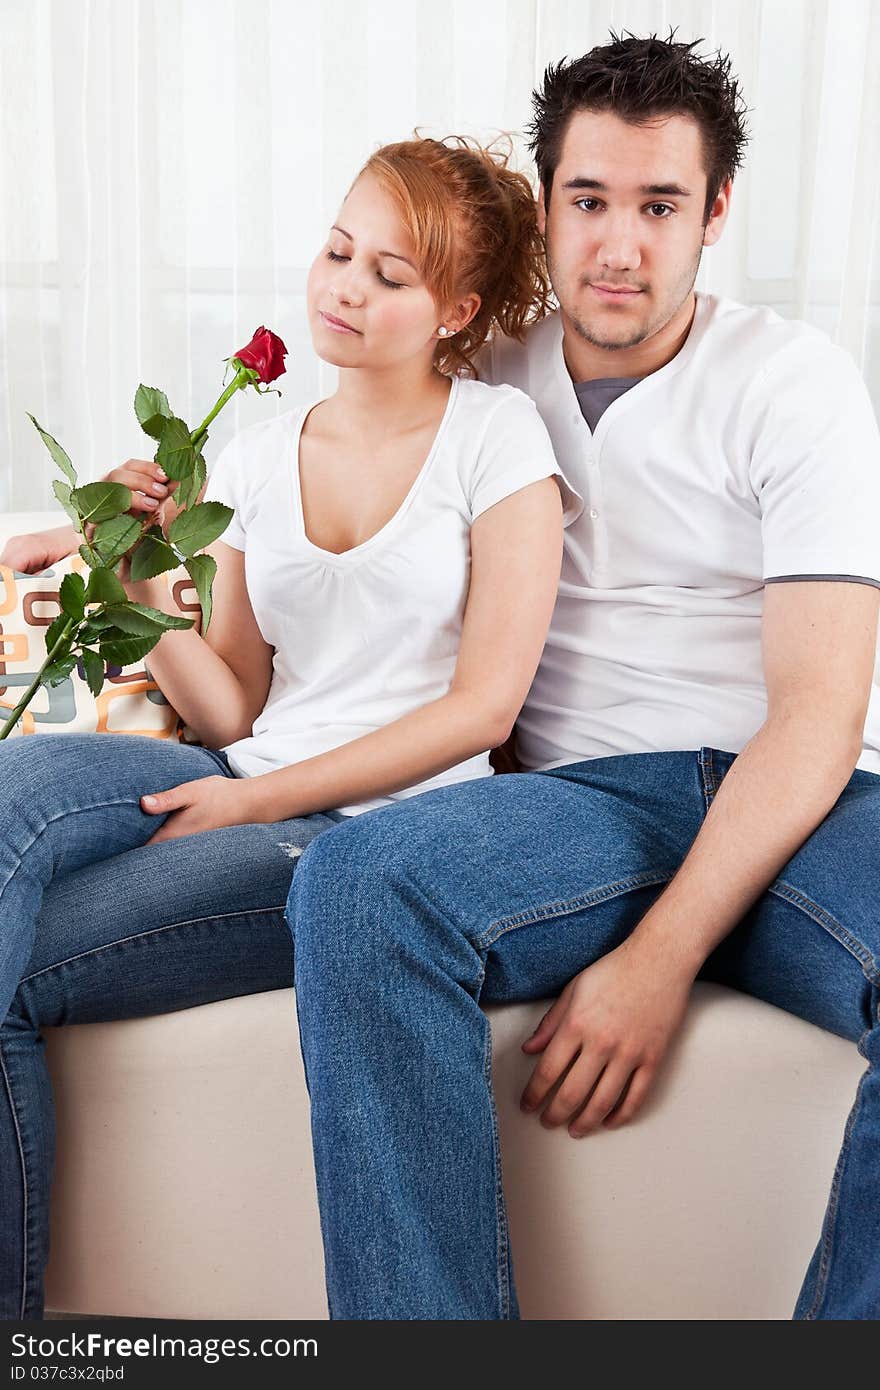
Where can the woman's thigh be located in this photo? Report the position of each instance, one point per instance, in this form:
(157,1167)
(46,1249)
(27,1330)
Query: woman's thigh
(167,926)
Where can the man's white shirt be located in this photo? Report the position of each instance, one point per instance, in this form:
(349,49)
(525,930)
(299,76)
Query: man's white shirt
(752,457)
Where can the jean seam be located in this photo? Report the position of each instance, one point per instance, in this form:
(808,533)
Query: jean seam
(63,815)
(563,907)
(502,1233)
(151,931)
(833,1202)
(862,953)
(707,770)
(24,1183)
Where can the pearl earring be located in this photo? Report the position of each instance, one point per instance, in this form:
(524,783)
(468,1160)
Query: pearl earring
(443,330)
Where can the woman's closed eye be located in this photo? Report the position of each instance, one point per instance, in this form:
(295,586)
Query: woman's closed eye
(392,284)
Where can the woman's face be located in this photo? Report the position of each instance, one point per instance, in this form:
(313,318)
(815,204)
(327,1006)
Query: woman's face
(366,277)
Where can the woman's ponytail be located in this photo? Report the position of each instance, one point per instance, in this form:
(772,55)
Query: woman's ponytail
(474,223)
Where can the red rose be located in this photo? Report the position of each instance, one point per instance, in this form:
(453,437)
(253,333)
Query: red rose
(265,353)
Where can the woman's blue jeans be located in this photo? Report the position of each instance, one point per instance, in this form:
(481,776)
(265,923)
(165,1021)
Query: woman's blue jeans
(94,925)
(404,922)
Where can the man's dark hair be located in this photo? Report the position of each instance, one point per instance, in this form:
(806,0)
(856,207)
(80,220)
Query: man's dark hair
(638,80)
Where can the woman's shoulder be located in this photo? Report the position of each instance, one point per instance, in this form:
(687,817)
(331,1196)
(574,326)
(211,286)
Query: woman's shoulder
(507,402)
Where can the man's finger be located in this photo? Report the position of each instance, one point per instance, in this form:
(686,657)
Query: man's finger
(574,1089)
(554,1063)
(547,1027)
(639,1086)
(605,1096)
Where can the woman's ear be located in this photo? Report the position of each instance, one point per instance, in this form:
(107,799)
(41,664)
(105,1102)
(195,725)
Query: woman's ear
(462,312)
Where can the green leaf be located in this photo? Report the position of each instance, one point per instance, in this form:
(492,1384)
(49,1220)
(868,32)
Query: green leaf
(187,492)
(201,570)
(105,587)
(72,596)
(99,501)
(152,409)
(176,452)
(91,557)
(141,621)
(62,492)
(59,671)
(123,651)
(54,631)
(114,537)
(152,556)
(92,628)
(93,667)
(56,451)
(199,526)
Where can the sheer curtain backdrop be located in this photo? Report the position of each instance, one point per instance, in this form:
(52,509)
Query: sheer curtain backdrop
(168,169)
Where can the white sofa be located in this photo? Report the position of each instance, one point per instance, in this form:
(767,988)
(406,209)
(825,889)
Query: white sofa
(184,1184)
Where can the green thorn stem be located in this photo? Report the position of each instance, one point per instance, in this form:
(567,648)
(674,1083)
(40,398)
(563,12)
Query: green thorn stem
(240,380)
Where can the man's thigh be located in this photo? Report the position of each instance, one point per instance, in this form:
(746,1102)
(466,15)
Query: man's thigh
(168,926)
(541,873)
(811,945)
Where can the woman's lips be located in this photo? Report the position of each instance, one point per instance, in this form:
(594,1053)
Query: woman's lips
(622,296)
(338,325)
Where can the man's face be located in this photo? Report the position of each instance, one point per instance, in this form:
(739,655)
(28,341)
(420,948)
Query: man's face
(626,213)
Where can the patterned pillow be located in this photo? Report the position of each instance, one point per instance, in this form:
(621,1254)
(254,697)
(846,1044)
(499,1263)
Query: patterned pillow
(130,702)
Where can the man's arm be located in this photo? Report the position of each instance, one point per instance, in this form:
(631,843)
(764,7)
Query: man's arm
(819,642)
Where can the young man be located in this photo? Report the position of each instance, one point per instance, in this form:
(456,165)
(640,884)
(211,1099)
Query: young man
(704,795)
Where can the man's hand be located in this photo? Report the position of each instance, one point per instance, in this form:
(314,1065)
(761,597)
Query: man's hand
(206,804)
(604,1038)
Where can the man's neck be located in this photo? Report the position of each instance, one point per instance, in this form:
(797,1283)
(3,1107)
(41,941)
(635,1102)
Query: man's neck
(586,362)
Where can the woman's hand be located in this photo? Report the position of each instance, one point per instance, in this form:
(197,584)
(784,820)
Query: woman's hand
(206,804)
(604,1038)
(148,483)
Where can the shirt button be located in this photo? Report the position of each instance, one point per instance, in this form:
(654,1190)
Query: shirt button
(593,513)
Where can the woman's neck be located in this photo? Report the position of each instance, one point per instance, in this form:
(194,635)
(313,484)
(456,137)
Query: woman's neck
(379,402)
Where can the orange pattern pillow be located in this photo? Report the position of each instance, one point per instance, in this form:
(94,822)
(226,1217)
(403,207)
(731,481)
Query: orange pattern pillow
(129,703)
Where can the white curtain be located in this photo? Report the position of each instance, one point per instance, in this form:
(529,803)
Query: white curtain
(168,169)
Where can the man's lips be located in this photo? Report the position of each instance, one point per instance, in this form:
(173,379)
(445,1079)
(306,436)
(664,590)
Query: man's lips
(338,325)
(620,295)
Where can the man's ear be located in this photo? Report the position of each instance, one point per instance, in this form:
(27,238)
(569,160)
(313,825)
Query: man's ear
(542,211)
(718,215)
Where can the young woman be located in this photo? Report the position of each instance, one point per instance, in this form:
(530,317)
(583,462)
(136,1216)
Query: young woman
(381,602)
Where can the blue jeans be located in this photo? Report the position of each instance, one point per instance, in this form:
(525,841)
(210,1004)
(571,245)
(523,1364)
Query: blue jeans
(96,926)
(503,889)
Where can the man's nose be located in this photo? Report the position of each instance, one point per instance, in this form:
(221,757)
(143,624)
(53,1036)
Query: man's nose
(619,246)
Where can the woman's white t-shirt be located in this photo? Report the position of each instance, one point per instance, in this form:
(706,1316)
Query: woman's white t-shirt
(365,637)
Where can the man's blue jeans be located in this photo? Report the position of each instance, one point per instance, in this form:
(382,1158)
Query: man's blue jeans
(504,889)
(95,926)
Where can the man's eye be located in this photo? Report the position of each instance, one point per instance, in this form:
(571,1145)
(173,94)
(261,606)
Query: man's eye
(580,203)
(664,207)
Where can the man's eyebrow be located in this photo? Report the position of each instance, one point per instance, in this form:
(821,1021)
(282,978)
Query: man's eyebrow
(668,190)
(393,254)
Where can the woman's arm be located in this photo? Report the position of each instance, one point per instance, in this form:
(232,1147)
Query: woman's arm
(516,551)
(218,684)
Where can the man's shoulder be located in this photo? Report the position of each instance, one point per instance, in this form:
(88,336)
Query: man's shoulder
(751,341)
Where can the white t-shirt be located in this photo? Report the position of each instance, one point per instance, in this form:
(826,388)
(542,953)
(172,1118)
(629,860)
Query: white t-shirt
(752,457)
(365,637)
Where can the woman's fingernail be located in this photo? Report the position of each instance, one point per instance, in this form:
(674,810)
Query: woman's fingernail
(160,473)
(158,488)
(148,800)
